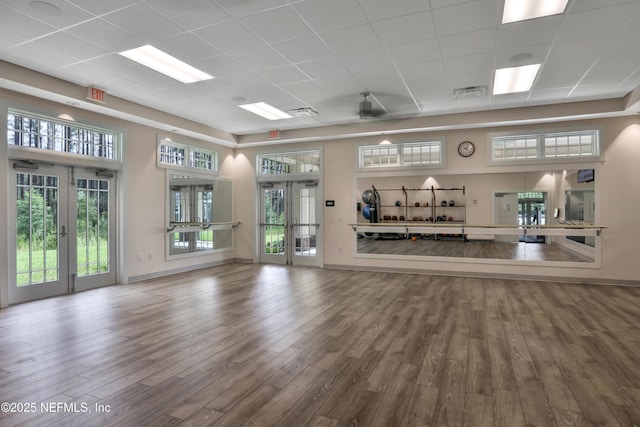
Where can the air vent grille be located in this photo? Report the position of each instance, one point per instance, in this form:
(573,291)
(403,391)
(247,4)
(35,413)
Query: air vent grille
(470,92)
(303,112)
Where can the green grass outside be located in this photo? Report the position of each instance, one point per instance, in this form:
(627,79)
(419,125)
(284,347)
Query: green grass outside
(87,262)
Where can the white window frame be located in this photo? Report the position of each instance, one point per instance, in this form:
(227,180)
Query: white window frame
(286,163)
(536,147)
(394,156)
(60,145)
(186,157)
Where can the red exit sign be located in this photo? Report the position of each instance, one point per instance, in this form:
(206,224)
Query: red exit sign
(96,94)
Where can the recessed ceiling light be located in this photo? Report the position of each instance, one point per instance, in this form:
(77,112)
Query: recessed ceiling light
(521,10)
(166,64)
(514,79)
(265,110)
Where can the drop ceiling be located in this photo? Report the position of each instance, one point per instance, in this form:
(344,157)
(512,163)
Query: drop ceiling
(416,57)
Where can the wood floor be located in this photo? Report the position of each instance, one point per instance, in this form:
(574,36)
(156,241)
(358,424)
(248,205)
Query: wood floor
(260,345)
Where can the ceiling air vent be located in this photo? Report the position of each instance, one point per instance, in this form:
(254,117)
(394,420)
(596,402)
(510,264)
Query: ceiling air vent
(470,92)
(303,112)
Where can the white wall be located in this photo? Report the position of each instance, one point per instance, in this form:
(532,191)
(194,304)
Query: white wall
(144,222)
(143,188)
(617,187)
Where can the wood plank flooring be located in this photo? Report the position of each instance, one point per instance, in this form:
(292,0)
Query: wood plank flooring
(263,345)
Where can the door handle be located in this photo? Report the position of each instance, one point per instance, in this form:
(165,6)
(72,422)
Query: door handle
(63,232)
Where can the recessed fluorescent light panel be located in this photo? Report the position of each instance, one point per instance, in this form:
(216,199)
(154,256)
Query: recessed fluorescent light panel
(265,110)
(166,64)
(514,79)
(521,10)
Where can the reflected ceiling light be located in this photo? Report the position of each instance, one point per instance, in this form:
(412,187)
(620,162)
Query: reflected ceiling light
(385,142)
(514,79)
(521,10)
(265,110)
(166,64)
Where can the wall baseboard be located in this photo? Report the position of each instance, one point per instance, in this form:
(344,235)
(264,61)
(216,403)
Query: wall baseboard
(163,273)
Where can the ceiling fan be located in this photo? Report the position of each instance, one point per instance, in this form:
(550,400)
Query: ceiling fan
(366,109)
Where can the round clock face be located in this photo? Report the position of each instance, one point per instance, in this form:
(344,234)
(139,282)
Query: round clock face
(466,148)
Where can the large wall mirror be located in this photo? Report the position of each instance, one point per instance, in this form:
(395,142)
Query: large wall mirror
(542,216)
(200,214)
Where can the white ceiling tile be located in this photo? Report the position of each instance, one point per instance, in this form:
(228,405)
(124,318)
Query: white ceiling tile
(303,49)
(378,10)
(71,46)
(223,66)
(527,33)
(580,48)
(352,40)
(462,64)
(190,14)
(326,52)
(430,89)
(187,47)
(143,22)
(8,40)
(106,36)
(330,15)
(583,5)
(422,70)
(229,36)
(410,53)
(368,60)
(261,58)
(471,43)
(21,26)
(597,21)
(565,73)
(325,69)
(240,8)
(86,74)
(66,14)
(100,7)
(406,29)
(37,57)
(285,74)
(277,25)
(468,16)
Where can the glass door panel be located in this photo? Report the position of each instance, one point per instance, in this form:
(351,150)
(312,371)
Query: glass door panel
(305,223)
(93,205)
(273,224)
(41,239)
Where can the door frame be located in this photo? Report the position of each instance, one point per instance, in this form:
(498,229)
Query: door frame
(50,288)
(70,171)
(287,183)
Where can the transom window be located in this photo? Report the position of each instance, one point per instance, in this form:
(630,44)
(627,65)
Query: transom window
(288,163)
(408,154)
(44,133)
(546,146)
(174,154)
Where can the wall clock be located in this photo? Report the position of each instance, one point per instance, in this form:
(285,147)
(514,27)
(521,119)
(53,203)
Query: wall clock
(466,148)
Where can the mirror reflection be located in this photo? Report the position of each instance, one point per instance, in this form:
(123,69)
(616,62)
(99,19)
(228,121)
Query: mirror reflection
(200,214)
(505,216)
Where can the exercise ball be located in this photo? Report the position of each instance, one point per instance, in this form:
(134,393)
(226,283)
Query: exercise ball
(368,196)
(366,212)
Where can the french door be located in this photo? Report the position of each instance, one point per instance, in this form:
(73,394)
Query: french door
(290,223)
(62,230)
